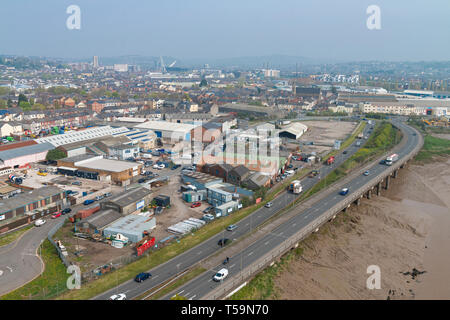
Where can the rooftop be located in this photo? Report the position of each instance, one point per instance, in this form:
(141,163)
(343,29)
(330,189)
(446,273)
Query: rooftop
(28,197)
(130,196)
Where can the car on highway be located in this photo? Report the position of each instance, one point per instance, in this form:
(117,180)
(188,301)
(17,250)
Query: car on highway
(366,173)
(56,215)
(88,202)
(383,161)
(120,296)
(66,210)
(232,227)
(344,191)
(220,275)
(345,152)
(268,204)
(196,204)
(142,276)
(223,242)
(39,222)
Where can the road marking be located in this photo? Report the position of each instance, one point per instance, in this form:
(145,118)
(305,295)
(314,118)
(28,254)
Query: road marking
(209,280)
(1,272)
(10,269)
(154,277)
(281,233)
(266,243)
(199,252)
(181,292)
(192,297)
(250,253)
(294,224)
(232,266)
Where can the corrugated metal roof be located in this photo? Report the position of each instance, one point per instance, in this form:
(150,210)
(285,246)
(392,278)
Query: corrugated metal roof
(24,151)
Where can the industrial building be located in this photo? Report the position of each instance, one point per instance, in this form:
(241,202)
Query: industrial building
(293,131)
(128,202)
(21,157)
(132,227)
(29,206)
(168,131)
(119,172)
(95,223)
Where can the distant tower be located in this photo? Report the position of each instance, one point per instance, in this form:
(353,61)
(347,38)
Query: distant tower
(95,62)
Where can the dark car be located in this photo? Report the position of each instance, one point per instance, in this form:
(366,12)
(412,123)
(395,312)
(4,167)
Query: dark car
(142,276)
(66,210)
(88,202)
(142,180)
(345,152)
(223,242)
(382,161)
(175,167)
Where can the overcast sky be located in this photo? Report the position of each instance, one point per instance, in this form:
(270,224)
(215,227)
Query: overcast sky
(410,29)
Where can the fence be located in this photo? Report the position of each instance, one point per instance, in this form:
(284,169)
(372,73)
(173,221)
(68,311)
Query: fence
(50,235)
(301,234)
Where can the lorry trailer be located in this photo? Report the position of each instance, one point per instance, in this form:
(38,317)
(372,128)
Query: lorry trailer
(295,187)
(391,159)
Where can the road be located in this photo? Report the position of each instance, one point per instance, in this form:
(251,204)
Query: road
(19,262)
(204,284)
(209,247)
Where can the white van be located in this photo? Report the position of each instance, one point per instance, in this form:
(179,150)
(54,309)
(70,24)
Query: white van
(220,275)
(289,172)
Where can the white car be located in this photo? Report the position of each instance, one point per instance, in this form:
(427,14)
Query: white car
(120,296)
(39,222)
(220,275)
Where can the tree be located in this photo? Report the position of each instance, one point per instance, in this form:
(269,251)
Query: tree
(55,154)
(22,98)
(25,105)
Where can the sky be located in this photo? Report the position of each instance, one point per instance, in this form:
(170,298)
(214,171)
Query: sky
(411,30)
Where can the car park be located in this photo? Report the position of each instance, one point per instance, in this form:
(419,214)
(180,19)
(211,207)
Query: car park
(220,275)
(39,222)
(268,204)
(56,215)
(232,227)
(120,296)
(196,204)
(344,191)
(142,276)
(223,242)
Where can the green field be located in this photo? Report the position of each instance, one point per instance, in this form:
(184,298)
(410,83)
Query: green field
(432,148)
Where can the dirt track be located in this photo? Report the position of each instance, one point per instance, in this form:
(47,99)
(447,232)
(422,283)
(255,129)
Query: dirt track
(407,228)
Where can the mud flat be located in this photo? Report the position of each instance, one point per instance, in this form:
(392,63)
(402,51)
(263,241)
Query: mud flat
(405,231)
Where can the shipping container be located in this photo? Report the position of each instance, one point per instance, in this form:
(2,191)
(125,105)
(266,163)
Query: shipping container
(82,214)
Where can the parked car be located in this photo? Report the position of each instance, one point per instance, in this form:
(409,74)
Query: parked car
(142,276)
(142,180)
(56,215)
(159,210)
(76,183)
(196,204)
(74,193)
(66,210)
(344,191)
(88,202)
(39,222)
(175,167)
(100,197)
(220,275)
(120,296)
(366,173)
(223,242)
(232,227)
(208,217)
(108,194)
(207,210)
(268,204)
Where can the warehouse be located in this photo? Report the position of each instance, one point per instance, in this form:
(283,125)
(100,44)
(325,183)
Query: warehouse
(200,180)
(227,208)
(169,131)
(29,206)
(132,227)
(128,202)
(119,172)
(97,222)
(21,157)
(293,131)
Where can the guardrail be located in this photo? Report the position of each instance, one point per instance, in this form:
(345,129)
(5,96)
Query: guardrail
(292,242)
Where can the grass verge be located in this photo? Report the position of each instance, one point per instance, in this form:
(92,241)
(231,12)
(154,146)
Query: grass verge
(49,284)
(433,147)
(12,236)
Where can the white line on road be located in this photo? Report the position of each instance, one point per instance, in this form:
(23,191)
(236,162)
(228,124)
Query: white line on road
(232,266)
(192,297)
(181,292)
(250,253)
(10,269)
(266,243)
(154,277)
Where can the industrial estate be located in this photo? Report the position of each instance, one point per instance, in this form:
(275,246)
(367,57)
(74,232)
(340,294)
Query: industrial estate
(164,180)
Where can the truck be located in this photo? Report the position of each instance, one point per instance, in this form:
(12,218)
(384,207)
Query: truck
(14,179)
(330,160)
(391,159)
(295,187)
